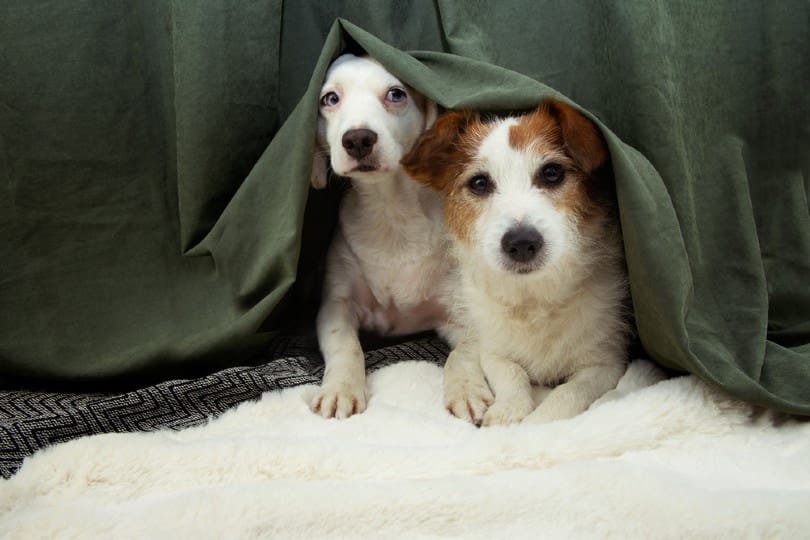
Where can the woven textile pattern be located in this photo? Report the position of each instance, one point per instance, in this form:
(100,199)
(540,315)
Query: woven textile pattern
(30,421)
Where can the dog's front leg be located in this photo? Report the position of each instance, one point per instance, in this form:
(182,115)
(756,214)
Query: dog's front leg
(512,387)
(466,392)
(343,391)
(577,393)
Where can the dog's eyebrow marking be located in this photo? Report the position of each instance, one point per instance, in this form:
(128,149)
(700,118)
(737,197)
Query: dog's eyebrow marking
(553,156)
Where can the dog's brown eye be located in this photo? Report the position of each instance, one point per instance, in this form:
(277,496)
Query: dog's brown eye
(552,174)
(396,95)
(480,184)
(329,99)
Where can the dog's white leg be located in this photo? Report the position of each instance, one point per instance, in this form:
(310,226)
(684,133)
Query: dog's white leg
(343,392)
(466,392)
(512,387)
(578,393)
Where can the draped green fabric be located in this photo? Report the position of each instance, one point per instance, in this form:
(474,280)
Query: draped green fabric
(155,156)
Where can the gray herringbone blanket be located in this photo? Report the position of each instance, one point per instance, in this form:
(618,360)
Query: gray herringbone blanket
(31,420)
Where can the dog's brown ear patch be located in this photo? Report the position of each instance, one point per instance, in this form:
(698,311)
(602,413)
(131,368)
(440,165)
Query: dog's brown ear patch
(581,137)
(439,152)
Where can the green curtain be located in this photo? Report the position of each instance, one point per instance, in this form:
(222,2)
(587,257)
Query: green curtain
(154,159)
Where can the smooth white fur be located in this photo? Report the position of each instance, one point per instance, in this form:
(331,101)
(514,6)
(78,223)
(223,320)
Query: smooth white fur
(669,459)
(562,321)
(389,257)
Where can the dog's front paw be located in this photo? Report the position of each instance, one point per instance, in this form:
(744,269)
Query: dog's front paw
(467,399)
(339,400)
(508,411)
(549,411)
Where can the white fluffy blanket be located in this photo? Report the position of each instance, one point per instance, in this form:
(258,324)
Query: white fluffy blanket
(653,459)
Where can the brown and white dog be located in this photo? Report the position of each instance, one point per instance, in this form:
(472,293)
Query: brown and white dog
(540,289)
(388,260)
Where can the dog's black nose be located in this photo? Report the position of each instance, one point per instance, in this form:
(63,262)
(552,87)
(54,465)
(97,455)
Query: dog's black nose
(522,244)
(359,142)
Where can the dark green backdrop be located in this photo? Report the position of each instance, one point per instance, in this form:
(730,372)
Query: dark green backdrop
(147,227)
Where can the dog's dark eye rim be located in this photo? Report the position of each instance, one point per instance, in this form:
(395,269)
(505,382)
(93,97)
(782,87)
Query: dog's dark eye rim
(329,99)
(480,184)
(551,173)
(396,94)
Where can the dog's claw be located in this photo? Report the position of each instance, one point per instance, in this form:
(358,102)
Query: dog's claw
(469,404)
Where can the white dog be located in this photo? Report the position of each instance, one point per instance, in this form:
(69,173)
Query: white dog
(541,286)
(389,257)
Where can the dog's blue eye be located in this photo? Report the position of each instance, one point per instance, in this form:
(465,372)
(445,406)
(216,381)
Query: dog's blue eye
(329,99)
(396,95)
(480,184)
(552,173)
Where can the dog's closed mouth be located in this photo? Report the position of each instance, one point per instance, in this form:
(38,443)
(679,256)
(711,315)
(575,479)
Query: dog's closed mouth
(522,269)
(364,168)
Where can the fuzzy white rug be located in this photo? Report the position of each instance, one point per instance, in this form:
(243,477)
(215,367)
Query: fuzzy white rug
(668,459)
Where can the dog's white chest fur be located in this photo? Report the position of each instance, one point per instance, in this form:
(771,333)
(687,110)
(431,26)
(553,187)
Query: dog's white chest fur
(549,331)
(400,262)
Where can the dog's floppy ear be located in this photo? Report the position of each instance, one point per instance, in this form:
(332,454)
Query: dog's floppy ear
(320,170)
(431,112)
(426,106)
(437,153)
(582,138)
(320,157)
